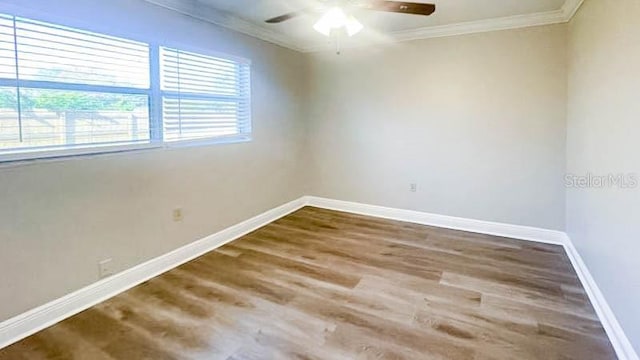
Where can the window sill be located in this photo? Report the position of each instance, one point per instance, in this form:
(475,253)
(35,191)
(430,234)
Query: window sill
(231,139)
(35,157)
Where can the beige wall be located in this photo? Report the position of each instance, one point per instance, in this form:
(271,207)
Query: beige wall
(58,219)
(477,121)
(603,138)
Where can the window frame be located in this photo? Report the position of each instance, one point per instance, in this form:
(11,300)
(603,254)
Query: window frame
(155,98)
(244,135)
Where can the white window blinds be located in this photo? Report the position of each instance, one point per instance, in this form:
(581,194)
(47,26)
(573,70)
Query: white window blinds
(66,91)
(7,48)
(70,89)
(59,54)
(204,96)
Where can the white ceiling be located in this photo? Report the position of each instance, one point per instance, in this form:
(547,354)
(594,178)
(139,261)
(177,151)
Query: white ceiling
(452,17)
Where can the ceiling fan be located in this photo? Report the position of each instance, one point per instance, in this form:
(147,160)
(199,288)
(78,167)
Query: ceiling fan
(337,17)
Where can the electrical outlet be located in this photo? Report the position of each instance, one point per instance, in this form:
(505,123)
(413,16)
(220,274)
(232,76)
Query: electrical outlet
(177,214)
(105,268)
(413,187)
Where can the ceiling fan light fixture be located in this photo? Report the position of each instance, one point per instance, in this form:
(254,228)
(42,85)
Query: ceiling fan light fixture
(335,19)
(353,26)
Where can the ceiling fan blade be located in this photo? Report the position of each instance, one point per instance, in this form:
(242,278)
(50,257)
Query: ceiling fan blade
(285,17)
(401,7)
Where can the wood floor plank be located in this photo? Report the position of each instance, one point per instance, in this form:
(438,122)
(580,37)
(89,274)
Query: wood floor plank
(322,284)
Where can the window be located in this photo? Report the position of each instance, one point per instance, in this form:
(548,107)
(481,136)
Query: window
(203,96)
(67,91)
(64,89)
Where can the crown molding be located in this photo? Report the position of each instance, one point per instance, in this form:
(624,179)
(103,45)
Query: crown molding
(480,26)
(570,8)
(201,11)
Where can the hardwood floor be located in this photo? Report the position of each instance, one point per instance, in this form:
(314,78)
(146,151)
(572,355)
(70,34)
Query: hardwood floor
(321,284)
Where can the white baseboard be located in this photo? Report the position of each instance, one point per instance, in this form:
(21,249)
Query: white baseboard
(34,320)
(618,338)
(443,221)
(616,335)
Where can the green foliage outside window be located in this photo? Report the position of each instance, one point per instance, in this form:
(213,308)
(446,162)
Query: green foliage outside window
(58,101)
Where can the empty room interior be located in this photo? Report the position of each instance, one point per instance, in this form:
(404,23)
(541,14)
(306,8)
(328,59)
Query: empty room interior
(319,179)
